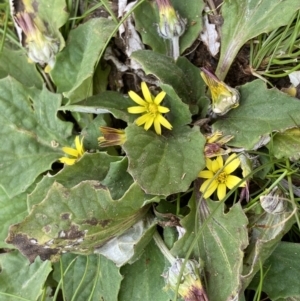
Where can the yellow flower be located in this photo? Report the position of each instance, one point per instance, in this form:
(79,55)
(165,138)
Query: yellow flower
(219,176)
(111,136)
(151,109)
(224,98)
(76,152)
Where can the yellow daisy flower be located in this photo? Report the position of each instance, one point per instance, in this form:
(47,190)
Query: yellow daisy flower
(76,152)
(151,109)
(219,176)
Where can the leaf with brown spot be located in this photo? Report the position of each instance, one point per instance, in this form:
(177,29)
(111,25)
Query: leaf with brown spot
(77,220)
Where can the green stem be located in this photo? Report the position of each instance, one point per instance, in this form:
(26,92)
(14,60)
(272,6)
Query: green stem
(175,52)
(161,245)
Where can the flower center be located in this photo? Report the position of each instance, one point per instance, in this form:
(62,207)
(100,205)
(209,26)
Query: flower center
(221,178)
(152,108)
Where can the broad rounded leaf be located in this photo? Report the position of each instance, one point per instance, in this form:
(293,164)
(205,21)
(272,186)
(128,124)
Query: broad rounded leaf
(164,164)
(28,118)
(182,76)
(220,244)
(281,281)
(146,274)
(77,220)
(91,277)
(261,111)
(10,62)
(21,279)
(75,65)
(286,144)
(12,211)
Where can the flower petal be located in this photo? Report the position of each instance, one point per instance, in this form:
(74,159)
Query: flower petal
(209,164)
(163,121)
(142,119)
(67,161)
(220,162)
(221,191)
(149,122)
(232,181)
(231,164)
(79,145)
(206,174)
(136,98)
(157,126)
(146,92)
(70,151)
(215,166)
(136,110)
(159,97)
(208,187)
(162,109)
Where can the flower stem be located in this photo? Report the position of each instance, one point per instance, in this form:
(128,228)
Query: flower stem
(161,245)
(175,47)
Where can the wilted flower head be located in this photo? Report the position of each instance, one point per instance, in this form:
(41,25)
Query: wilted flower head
(190,287)
(76,152)
(224,98)
(219,176)
(170,23)
(41,48)
(151,109)
(111,137)
(214,143)
(274,202)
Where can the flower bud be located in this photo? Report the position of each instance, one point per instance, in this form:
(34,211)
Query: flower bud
(170,25)
(190,287)
(224,98)
(41,48)
(111,137)
(214,144)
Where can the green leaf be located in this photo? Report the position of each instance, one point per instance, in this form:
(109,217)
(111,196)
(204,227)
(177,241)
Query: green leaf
(282,273)
(12,211)
(146,18)
(223,240)
(182,76)
(89,167)
(146,274)
(118,180)
(28,118)
(20,280)
(163,165)
(91,277)
(182,245)
(286,144)
(266,232)
(74,68)
(220,244)
(261,111)
(92,132)
(77,220)
(104,103)
(10,62)
(179,112)
(244,20)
